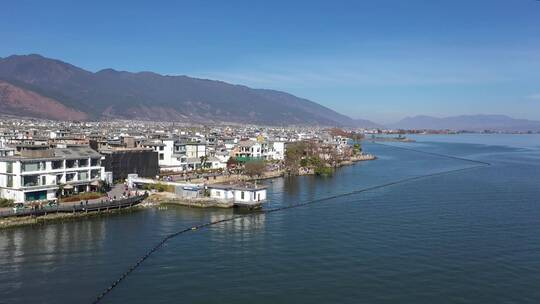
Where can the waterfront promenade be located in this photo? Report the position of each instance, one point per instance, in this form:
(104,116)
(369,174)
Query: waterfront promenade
(78,206)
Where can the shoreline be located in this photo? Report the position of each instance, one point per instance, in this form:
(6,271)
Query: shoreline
(155,200)
(52,218)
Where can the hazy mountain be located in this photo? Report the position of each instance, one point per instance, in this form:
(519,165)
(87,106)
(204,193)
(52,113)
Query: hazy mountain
(364,123)
(146,95)
(468,122)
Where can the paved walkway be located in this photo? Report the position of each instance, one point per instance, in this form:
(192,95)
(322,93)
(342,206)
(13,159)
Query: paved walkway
(117,190)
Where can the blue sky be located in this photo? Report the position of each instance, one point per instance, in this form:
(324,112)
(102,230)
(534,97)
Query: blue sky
(377,59)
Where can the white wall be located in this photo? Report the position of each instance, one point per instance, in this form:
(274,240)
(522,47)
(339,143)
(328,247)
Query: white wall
(221,194)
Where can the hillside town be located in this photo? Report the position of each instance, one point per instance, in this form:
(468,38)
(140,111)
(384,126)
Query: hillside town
(47,163)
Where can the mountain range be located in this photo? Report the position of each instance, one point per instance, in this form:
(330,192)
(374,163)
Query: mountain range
(36,86)
(468,122)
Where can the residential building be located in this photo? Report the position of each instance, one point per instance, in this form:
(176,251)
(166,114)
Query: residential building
(38,173)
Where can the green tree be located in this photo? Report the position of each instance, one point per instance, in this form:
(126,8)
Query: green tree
(203,159)
(357,148)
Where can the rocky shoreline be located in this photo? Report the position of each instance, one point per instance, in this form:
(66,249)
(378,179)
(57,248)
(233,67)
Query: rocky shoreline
(167,198)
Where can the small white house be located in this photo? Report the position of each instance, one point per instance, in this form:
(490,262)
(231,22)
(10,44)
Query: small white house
(241,194)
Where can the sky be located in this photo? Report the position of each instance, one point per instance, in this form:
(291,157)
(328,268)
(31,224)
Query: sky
(374,59)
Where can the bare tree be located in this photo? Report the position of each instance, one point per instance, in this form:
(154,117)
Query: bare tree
(255,168)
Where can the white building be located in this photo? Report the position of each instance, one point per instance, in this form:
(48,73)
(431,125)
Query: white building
(276,150)
(241,194)
(179,156)
(36,174)
(250,149)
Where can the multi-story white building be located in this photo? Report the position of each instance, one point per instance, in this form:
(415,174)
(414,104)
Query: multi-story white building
(182,155)
(38,173)
(250,149)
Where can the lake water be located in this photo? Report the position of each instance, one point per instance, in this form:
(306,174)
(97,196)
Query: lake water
(470,236)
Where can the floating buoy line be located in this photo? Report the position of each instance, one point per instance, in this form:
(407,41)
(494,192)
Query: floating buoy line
(160,245)
(435,154)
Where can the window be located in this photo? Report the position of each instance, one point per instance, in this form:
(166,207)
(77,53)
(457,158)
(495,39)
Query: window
(83,176)
(95,174)
(29,167)
(161,148)
(9,167)
(9,181)
(57,164)
(30,180)
(96,162)
(83,163)
(35,196)
(242,195)
(161,157)
(71,163)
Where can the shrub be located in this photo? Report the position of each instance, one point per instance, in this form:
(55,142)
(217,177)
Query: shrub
(159,187)
(4,203)
(82,197)
(323,171)
(357,149)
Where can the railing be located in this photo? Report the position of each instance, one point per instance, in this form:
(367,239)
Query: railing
(90,207)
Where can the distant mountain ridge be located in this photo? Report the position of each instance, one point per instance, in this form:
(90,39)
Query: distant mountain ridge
(468,122)
(111,94)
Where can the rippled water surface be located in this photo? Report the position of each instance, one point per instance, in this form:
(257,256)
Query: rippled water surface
(470,236)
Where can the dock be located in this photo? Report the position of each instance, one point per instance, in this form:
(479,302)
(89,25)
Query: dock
(84,208)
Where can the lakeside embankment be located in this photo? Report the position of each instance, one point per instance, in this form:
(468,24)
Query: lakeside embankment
(168,198)
(33,216)
(162,198)
(52,218)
